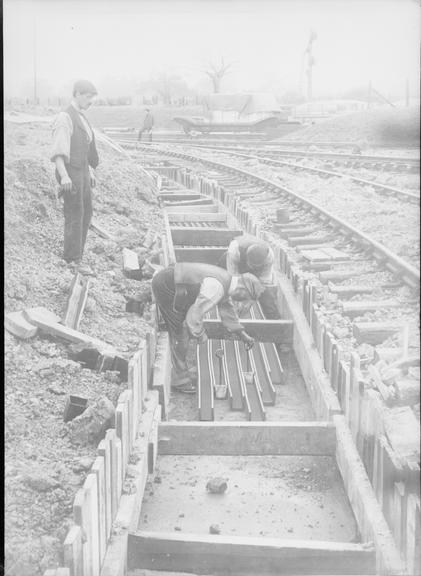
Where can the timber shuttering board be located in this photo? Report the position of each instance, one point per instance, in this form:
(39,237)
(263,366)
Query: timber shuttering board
(334,386)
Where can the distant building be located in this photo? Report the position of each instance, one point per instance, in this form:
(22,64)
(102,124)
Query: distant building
(240,108)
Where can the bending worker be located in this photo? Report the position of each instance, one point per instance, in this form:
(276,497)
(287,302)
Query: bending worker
(247,253)
(75,156)
(184,293)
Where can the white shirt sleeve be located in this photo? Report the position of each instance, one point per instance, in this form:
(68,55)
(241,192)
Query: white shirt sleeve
(233,258)
(211,292)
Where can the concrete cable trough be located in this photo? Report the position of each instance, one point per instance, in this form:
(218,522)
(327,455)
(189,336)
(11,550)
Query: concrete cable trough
(267,521)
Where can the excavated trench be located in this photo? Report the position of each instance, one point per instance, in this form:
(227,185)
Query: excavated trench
(287,508)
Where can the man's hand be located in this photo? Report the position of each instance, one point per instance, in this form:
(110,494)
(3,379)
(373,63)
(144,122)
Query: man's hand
(202,338)
(66,184)
(248,340)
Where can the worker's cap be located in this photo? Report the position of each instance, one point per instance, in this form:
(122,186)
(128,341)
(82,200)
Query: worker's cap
(84,87)
(253,286)
(256,255)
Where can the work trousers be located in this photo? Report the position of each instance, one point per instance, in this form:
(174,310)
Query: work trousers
(148,132)
(77,213)
(182,347)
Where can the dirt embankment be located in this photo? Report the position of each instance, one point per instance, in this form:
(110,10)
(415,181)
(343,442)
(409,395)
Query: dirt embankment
(44,469)
(381,126)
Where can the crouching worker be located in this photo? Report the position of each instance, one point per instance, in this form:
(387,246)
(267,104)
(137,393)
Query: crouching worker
(184,293)
(249,254)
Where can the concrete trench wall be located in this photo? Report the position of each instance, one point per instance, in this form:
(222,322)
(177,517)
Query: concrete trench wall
(326,374)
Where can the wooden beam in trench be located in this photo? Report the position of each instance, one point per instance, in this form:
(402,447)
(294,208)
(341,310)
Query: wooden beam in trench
(247,438)
(206,254)
(205,554)
(193,217)
(203,236)
(277,331)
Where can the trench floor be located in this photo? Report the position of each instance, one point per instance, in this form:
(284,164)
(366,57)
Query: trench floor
(291,497)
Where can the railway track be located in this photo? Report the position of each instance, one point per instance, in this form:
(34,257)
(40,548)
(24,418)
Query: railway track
(378,187)
(266,195)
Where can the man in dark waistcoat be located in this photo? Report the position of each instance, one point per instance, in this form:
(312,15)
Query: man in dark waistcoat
(184,293)
(75,156)
(247,253)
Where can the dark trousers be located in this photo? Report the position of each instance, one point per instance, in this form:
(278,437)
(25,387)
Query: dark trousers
(173,305)
(148,132)
(77,213)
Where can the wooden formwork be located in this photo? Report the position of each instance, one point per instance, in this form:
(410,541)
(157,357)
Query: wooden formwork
(336,388)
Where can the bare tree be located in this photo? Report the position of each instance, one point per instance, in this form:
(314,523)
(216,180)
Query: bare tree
(216,73)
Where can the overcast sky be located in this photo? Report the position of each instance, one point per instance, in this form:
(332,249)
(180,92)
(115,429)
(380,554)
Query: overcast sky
(357,40)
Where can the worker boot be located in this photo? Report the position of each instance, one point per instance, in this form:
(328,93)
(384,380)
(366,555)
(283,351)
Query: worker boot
(185,383)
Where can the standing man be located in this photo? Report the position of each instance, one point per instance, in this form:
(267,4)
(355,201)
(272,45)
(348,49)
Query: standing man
(184,293)
(147,126)
(247,253)
(75,157)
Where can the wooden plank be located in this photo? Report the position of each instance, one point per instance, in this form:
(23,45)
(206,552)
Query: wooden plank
(374,332)
(104,450)
(153,440)
(98,470)
(231,375)
(130,263)
(179,197)
(277,331)
(72,551)
(199,217)
(205,381)
(101,231)
(72,305)
(44,319)
(169,240)
(337,275)
(391,472)
(205,554)
(359,308)
(82,301)
(413,535)
(403,432)
(303,240)
(122,431)
(203,236)
(81,519)
(206,254)
(247,438)
(120,472)
(351,290)
(162,372)
(324,400)
(399,514)
(371,523)
(16,324)
(111,437)
(194,209)
(90,488)
(115,562)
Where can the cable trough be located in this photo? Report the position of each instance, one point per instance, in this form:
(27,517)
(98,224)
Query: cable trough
(316,481)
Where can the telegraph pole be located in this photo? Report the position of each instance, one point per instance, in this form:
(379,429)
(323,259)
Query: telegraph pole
(35,60)
(310,64)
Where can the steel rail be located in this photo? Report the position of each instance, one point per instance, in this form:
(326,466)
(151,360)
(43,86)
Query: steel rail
(390,190)
(300,153)
(409,274)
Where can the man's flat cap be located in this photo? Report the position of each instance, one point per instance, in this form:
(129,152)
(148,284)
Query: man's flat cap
(84,87)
